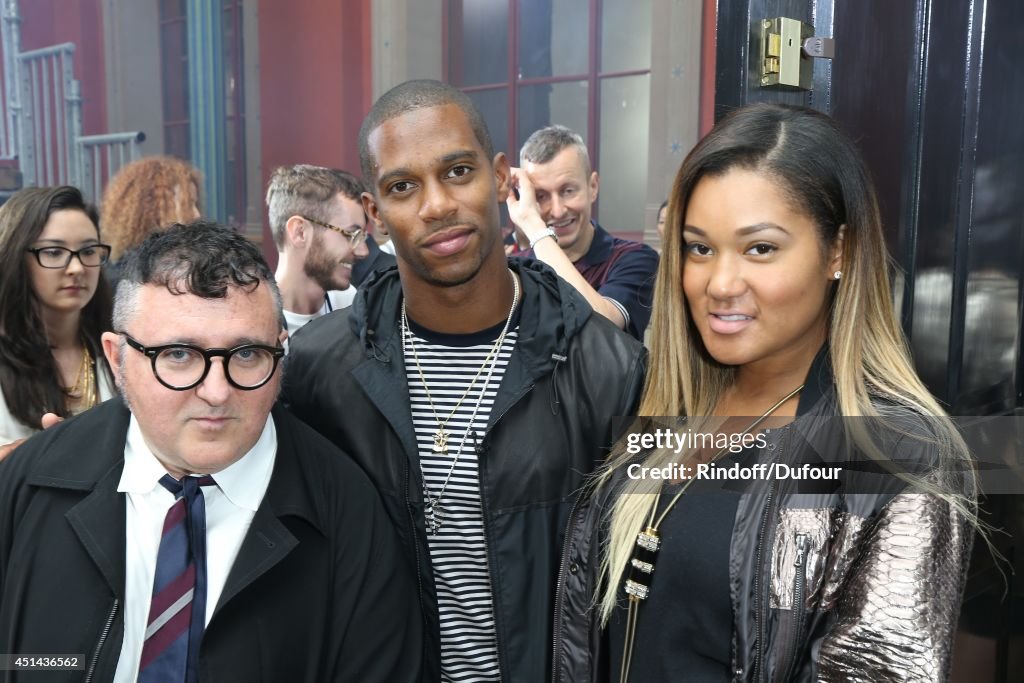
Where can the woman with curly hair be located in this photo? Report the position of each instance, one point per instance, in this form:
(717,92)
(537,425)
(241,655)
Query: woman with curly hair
(56,305)
(145,195)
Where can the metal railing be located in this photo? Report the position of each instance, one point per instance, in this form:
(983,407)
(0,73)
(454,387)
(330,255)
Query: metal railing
(51,116)
(10,37)
(41,117)
(101,156)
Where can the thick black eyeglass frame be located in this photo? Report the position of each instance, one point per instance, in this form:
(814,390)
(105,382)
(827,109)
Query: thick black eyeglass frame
(208,354)
(73,254)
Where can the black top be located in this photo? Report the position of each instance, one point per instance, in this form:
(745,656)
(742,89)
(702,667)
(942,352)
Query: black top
(684,628)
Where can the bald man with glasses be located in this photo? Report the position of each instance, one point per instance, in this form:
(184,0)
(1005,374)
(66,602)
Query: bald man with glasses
(194,531)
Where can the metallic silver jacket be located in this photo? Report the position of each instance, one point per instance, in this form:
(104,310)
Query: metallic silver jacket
(858,584)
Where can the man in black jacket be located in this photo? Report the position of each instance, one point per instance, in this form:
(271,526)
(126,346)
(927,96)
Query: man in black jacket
(476,392)
(191,532)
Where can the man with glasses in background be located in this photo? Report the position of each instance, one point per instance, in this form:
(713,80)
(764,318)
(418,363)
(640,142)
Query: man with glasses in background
(194,527)
(317,220)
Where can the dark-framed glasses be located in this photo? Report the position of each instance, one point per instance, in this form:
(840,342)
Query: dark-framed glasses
(92,256)
(183,366)
(355,237)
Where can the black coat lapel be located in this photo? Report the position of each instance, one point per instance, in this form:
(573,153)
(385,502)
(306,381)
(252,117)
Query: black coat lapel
(99,523)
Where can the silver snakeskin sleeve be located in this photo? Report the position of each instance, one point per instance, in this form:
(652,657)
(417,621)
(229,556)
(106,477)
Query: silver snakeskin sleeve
(898,610)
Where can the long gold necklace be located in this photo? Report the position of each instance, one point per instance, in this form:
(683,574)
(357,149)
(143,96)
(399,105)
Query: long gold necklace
(433,511)
(648,542)
(83,391)
(441,434)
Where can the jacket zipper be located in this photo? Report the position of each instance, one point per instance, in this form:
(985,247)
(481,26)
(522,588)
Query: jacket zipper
(483,512)
(490,554)
(759,610)
(758,591)
(557,622)
(103,638)
(415,536)
(799,600)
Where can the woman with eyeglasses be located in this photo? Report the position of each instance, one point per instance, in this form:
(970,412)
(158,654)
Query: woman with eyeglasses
(55,306)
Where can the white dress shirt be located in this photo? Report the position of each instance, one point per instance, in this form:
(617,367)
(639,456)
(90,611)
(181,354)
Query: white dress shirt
(230,507)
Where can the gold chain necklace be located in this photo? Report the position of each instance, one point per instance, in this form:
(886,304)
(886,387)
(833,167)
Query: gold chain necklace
(641,564)
(432,509)
(441,434)
(84,389)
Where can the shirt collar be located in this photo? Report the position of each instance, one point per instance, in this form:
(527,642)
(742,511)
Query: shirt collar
(600,247)
(244,482)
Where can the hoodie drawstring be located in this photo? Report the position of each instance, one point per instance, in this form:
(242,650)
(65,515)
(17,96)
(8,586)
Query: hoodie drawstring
(376,352)
(555,403)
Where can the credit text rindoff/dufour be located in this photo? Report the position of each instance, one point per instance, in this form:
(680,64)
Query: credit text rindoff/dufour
(734,472)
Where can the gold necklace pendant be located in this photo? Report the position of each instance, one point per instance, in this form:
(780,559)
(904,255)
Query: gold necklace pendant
(440,441)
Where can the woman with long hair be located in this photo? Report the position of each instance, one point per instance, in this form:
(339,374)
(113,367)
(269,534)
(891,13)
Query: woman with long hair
(56,304)
(147,195)
(772,303)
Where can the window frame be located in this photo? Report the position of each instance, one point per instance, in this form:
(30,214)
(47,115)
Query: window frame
(451,48)
(173,12)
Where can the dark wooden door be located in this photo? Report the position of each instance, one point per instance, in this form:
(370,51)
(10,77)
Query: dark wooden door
(933,91)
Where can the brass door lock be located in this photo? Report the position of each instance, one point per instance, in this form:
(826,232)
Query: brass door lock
(787,48)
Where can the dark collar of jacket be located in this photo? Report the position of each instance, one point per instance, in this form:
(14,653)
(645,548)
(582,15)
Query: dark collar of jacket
(86,454)
(552,312)
(376,259)
(818,393)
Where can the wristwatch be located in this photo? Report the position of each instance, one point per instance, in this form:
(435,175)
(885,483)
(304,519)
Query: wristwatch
(548,232)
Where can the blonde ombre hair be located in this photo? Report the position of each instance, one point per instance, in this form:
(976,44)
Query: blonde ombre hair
(820,170)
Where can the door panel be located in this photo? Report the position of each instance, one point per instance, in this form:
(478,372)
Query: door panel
(933,92)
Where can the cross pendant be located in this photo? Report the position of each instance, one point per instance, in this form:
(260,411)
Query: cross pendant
(440,441)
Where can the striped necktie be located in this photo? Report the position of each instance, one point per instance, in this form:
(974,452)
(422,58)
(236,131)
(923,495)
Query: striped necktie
(177,613)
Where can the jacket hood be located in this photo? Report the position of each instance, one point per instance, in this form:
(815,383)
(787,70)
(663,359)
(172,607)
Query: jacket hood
(551,314)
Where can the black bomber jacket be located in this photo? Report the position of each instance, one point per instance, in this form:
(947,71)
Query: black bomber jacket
(551,424)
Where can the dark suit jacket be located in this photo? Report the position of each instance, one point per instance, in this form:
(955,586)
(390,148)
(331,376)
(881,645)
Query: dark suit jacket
(319,590)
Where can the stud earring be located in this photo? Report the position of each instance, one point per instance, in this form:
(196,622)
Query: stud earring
(838,274)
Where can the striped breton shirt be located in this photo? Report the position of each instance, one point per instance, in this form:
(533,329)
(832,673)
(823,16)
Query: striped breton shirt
(458,550)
